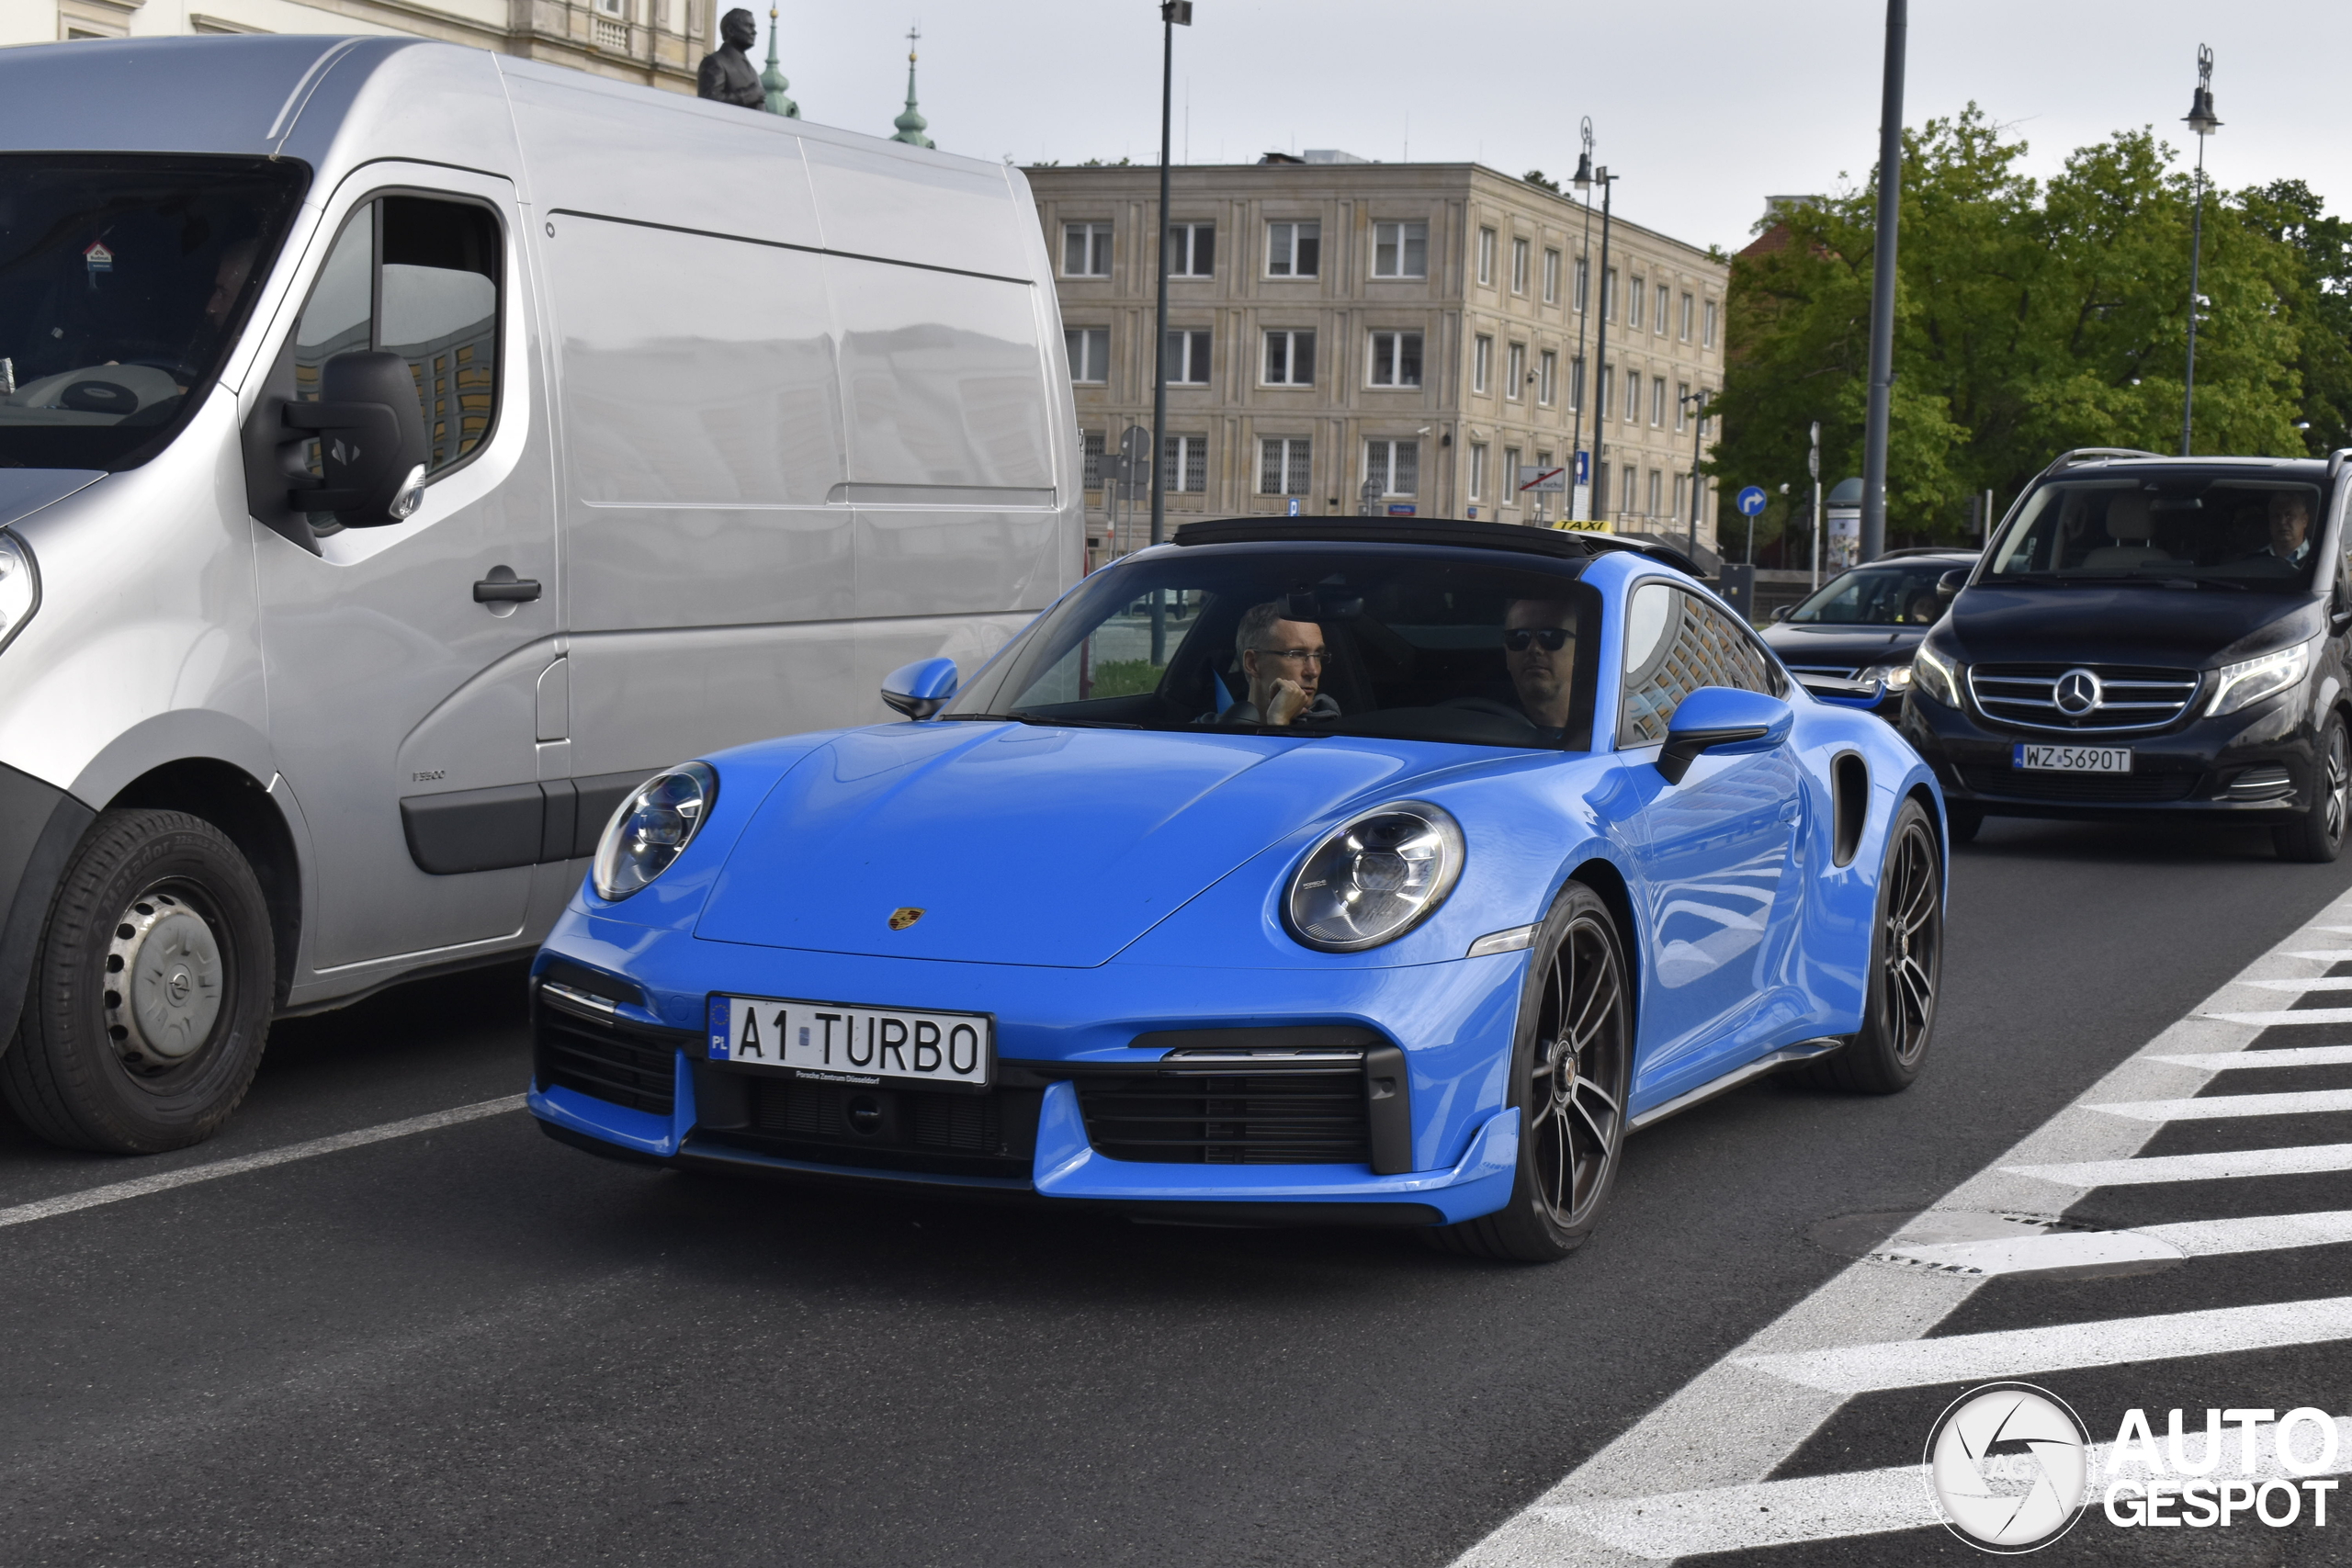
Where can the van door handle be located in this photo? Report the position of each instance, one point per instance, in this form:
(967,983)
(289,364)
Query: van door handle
(512,590)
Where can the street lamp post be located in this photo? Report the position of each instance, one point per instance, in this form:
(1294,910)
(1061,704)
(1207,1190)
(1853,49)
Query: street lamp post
(1172,15)
(2201,120)
(1581,505)
(1703,398)
(1881,410)
(1587,175)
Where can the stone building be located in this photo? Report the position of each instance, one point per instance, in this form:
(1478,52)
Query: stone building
(1426,327)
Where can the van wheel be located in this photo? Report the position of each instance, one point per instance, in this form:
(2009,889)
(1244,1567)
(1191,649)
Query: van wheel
(151,993)
(1907,968)
(1962,822)
(2317,836)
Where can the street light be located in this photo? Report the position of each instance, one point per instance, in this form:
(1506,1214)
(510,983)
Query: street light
(2202,120)
(1703,398)
(1173,13)
(1583,184)
(1586,178)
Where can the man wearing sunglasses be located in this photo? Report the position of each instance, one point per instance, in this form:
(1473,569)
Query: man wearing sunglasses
(1539,650)
(1284,661)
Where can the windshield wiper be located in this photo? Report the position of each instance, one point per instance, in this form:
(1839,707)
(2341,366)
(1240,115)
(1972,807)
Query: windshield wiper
(2179,582)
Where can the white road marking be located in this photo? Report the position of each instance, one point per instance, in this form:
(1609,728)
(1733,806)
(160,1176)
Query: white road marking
(2147,1243)
(140,1187)
(2325,954)
(1867,1502)
(2221,1107)
(2324,982)
(2015,1352)
(2299,1015)
(2286,1056)
(2311,1159)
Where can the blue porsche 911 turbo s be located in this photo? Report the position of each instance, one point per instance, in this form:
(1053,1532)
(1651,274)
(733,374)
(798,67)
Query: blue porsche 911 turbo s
(1356,870)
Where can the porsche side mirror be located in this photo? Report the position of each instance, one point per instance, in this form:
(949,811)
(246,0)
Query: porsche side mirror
(1949,585)
(1783,611)
(371,440)
(1722,718)
(921,689)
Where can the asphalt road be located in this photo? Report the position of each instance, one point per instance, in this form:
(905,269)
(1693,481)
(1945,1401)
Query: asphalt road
(476,1345)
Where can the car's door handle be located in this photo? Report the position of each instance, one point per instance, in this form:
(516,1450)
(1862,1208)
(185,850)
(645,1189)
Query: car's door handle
(514,590)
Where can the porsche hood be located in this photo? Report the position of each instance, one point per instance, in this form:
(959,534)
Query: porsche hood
(1017,845)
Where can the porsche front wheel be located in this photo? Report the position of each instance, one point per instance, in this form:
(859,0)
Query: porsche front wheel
(1571,1069)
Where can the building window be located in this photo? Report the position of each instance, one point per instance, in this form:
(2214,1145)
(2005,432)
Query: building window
(1290,359)
(1294,250)
(1400,250)
(1551,277)
(1708,342)
(1515,380)
(1397,465)
(1681,491)
(1187,457)
(1482,360)
(1510,476)
(1681,402)
(1637,301)
(1091,441)
(1630,496)
(1285,465)
(1477,470)
(1089,355)
(1396,359)
(1086,250)
(1659,321)
(1688,305)
(1188,358)
(1632,397)
(1192,250)
(1547,376)
(1519,253)
(1576,383)
(1584,282)
(1607,384)
(1657,495)
(1609,293)
(1487,257)
(1657,400)
(1535,499)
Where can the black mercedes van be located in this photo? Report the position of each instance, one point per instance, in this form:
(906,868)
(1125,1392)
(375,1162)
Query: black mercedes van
(2149,634)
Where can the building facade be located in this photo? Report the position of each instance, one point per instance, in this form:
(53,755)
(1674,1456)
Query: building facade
(658,42)
(1427,329)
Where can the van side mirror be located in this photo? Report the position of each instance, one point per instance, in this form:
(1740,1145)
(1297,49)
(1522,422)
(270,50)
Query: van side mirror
(371,440)
(1949,585)
(1722,718)
(921,689)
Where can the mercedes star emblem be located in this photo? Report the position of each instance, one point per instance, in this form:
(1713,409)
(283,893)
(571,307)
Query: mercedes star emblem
(2078,692)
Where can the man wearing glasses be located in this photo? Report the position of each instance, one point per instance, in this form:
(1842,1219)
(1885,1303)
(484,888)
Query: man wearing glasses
(1284,661)
(1539,649)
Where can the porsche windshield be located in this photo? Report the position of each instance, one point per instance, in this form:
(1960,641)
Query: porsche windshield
(1408,644)
(123,282)
(2230,527)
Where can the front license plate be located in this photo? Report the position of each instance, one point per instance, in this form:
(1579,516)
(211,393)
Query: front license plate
(833,1042)
(2072,758)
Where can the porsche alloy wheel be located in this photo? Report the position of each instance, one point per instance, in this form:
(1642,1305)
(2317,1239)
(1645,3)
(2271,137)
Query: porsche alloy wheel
(1907,966)
(1571,1071)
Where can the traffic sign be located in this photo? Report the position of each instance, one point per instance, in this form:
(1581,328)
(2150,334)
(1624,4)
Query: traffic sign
(1294,506)
(1584,468)
(1543,481)
(1750,502)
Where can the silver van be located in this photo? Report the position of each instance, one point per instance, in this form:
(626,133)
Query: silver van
(405,449)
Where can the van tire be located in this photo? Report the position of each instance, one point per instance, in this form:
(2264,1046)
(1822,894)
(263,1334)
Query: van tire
(1962,822)
(2316,837)
(151,993)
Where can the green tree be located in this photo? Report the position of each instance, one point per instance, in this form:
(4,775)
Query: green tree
(2029,318)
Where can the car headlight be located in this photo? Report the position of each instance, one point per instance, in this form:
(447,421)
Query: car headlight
(1374,877)
(1893,677)
(652,829)
(1937,676)
(2250,680)
(19,586)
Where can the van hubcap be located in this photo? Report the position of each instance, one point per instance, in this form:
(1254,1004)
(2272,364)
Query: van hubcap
(163,982)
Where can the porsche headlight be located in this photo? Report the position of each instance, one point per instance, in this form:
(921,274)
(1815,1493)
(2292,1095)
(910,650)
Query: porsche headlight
(652,829)
(1893,677)
(1936,676)
(19,586)
(1374,877)
(2236,685)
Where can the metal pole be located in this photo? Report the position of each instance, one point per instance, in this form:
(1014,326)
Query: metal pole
(1890,213)
(1600,341)
(1584,315)
(2196,254)
(1698,428)
(1159,325)
(1813,466)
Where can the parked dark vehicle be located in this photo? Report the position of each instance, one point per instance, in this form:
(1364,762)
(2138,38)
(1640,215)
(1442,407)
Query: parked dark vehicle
(2152,634)
(1850,640)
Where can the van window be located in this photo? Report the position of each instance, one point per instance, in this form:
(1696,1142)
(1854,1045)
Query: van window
(124,281)
(1675,644)
(419,277)
(2252,530)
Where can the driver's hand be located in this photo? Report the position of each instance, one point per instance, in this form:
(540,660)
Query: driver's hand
(1286,702)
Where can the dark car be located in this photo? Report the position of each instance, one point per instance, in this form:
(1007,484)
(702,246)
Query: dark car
(1850,640)
(2151,634)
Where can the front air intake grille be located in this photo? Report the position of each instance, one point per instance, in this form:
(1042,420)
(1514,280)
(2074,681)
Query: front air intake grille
(2089,789)
(946,1131)
(2114,697)
(621,1063)
(1285,1112)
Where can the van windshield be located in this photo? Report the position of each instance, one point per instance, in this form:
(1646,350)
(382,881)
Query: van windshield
(2229,527)
(123,284)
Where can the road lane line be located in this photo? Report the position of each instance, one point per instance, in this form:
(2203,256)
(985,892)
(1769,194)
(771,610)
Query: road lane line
(2323,982)
(140,1187)
(2309,1159)
(2284,1056)
(2284,1016)
(2221,1107)
(2325,954)
(2020,1352)
(2166,1242)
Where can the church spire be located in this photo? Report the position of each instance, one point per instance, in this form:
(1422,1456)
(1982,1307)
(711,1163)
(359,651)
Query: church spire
(911,123)
(772,80)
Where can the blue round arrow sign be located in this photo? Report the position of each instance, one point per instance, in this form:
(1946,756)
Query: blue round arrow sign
(1750,502)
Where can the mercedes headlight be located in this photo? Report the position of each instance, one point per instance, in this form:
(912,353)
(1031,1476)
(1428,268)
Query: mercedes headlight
(2250,680)
(1374,877)
(19,586)
(652,829)
(1936,675)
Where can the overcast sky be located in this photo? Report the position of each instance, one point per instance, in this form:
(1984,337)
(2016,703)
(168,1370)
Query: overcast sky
(1703,107)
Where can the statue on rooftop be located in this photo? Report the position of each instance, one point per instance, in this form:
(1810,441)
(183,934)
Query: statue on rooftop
(727,76)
